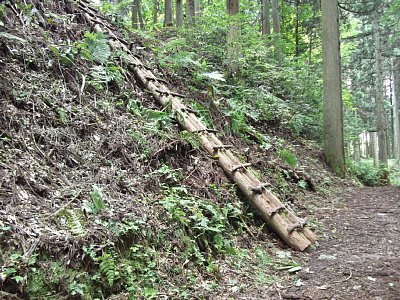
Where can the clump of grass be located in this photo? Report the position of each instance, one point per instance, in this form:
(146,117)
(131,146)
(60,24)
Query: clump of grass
(289,157)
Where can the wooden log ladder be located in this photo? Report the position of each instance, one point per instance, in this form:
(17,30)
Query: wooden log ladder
(290,228)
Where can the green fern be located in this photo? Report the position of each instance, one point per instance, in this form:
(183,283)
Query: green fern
(98,76)
(95,47)
(107,268)
(97,200)
(289,157)
(97,204)
(74,223)
(101,75)
(176,44)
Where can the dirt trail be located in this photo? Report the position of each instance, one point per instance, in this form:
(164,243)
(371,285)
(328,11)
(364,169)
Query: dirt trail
(358,257)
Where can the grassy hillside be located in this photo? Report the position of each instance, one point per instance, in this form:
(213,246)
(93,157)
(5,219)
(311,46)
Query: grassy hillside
(103,195)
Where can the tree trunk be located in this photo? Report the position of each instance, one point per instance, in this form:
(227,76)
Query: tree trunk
(266,19)
(135,14)
(168,13)
(275,17)
(297,37)
(190,11)
(357,150)
(396,108)
(141,22)
(333,103)
(374,148)
(380,109)
(277,29)
(196,8)
(179,13)
(233,38)
(155,12)
(363,144)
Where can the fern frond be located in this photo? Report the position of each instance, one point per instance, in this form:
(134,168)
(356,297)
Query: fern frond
(102,75)
(74,223)
(98,76)
(96,44)
(107,268)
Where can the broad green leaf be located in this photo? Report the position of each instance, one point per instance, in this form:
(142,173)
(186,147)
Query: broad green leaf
(55,50)
(12,37)
(213,76)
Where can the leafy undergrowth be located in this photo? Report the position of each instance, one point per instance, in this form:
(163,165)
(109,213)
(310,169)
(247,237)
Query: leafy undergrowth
(103,196)
(369,175)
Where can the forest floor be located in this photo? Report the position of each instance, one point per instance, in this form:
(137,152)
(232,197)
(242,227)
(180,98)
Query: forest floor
(357,257)
(86,172)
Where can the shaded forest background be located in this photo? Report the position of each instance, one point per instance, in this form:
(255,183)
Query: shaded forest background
(104,196)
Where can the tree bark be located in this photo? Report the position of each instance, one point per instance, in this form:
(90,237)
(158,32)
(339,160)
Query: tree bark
(396,107)
(380,109)
(179,13)
(374,148)
(196,8)
(275,17)
(233,38)
(168,13)
(155,12)
(357,151)
(141,22)
(297,37)
(277,29)
(190,11)
(266,19)
(333,103)
(135,14)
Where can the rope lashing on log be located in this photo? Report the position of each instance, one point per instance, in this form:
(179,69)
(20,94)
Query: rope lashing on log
(299,225)
(238,167)
(222,147)
(278,216)
(150,78)
(260,188)
(208,130)
(189,110)
(169,93)
(276,210)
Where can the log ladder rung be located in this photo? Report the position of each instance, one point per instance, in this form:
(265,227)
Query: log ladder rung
(156,79)
(139,65)
(169,93)
(188,109)
(238,167)
(142,65)
(299,225)
(275,211)
(209,130)
(259,188)
(135,64)
(223,147)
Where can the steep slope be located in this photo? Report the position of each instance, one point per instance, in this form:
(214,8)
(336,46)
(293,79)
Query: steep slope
(101,192)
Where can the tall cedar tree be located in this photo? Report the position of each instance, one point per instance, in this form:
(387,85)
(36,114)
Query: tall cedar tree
(333,104)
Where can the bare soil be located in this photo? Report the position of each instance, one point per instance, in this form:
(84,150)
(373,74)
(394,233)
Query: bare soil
(358,255)
(57,142)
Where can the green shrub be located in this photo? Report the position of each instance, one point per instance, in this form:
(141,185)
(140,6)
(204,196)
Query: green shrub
(367,174)
(289,157)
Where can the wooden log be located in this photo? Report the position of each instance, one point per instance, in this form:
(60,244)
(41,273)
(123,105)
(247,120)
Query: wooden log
(271,209)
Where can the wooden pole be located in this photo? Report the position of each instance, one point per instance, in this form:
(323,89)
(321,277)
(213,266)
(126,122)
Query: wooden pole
(278,216)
